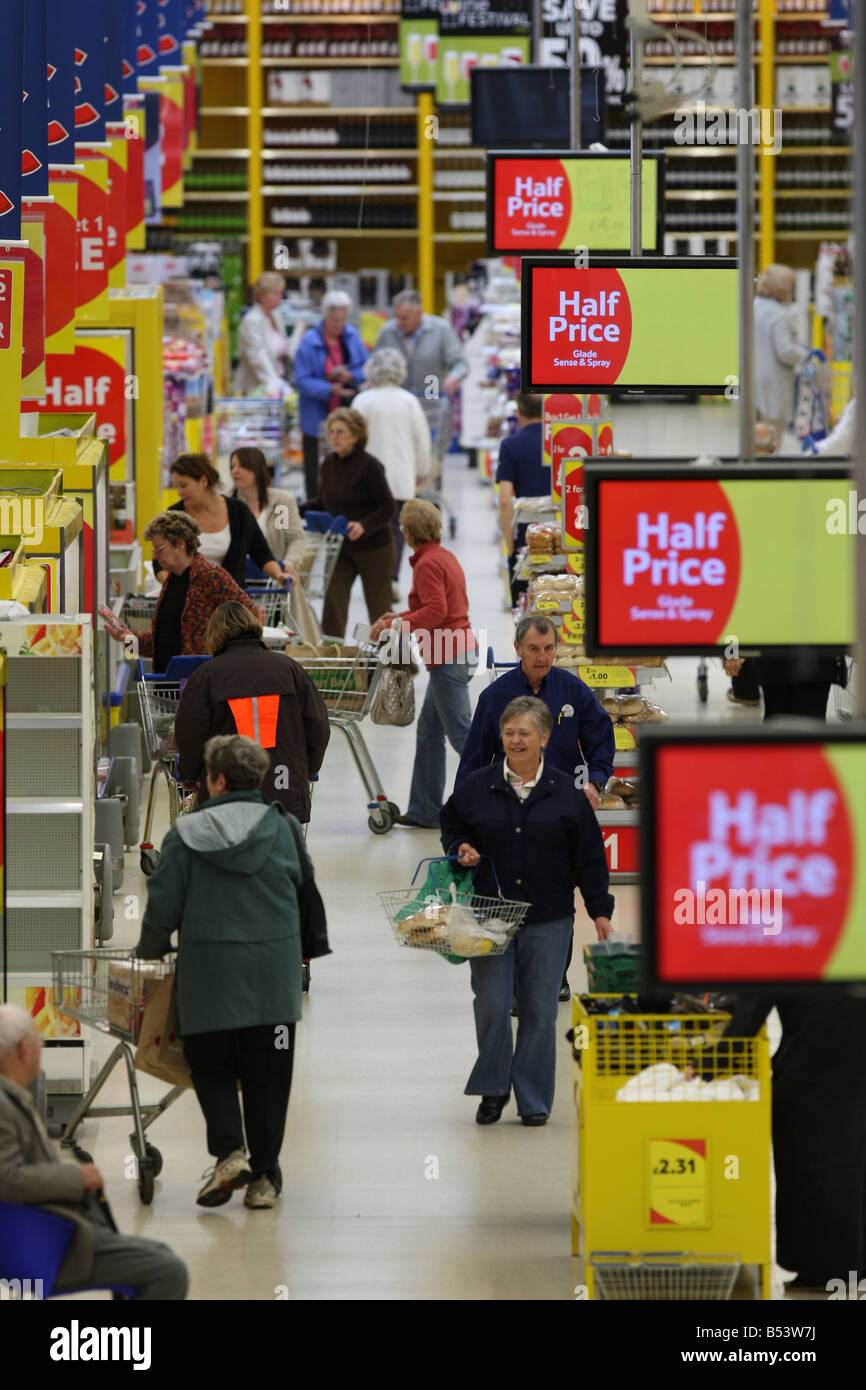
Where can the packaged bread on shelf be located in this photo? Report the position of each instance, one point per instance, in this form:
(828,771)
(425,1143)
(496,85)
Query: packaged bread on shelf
(544,538)
(611,803)
(556,587)
(633,709)
(624,787)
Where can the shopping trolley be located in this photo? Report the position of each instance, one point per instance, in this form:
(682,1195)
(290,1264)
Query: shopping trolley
(251,421)
(269,596)
(158,699)
(107,990)
(316,569)
(347,684)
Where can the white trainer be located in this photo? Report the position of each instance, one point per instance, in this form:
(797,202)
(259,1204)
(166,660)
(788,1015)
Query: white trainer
(261,1194)
(231,1172)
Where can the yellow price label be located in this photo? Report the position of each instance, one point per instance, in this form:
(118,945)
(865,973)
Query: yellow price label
(574,562)
(623,739)
(540,559)
(677,1177)
(546,605)
(600,676)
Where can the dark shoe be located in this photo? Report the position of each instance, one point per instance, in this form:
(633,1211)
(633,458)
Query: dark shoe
(415,824)
(533,1119)
(738,700)
(564,992)
(490,1109)
(276,1178)
(514,1010)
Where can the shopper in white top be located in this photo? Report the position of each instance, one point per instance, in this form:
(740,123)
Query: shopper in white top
(776,351)
(397,431)
(263,348)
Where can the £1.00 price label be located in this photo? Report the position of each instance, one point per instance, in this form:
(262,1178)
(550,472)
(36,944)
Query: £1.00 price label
(602,676)
(677,1182)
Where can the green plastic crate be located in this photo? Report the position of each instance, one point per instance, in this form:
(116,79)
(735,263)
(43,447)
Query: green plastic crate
(612,967)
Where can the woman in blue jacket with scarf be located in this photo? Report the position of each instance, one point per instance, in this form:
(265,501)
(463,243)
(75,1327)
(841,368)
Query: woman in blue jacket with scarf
(543,839)
(329,370)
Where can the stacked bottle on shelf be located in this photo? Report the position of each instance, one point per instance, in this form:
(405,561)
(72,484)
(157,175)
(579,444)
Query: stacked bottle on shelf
(334,172)
(216,174)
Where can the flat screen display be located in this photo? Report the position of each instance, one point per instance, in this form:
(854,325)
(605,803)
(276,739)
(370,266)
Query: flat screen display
(753,856)
(652,325)
(518,106)
(540,204)
(681,559)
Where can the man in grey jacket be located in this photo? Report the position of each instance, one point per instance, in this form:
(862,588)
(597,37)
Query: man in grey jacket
(434,359)
(32,1175)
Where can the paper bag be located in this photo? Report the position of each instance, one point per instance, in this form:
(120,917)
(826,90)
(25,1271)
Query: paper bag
(160,1050)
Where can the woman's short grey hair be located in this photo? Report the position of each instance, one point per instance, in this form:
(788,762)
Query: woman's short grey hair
(16,1026)
(335,299)
(386,367)
(532,708)
(240,761)
(538,621)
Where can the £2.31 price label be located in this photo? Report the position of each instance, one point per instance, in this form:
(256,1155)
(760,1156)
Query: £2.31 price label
(677,1182)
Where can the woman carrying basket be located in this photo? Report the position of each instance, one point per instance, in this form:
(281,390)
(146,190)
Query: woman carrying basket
(541,835)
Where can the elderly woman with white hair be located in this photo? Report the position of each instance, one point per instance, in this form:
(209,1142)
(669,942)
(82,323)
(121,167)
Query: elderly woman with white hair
(328,372)
(777,352)
(263,348)
(397,433)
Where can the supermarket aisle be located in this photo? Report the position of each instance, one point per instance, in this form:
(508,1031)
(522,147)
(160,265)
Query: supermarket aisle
(390,1189)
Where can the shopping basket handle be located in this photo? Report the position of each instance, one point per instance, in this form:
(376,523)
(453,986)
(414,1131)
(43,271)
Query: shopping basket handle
(449,858)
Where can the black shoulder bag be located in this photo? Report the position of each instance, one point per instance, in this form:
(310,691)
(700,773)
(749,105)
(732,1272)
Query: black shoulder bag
(314,924)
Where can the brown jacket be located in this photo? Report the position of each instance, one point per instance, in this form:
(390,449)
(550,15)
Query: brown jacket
(31,1174)
(209,586)
(265,695)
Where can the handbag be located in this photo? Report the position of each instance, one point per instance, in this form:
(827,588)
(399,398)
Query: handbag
(160,1051)
(311,909)
(394,701)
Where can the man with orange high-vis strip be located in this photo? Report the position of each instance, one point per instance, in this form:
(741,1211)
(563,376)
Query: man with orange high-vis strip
(263,695)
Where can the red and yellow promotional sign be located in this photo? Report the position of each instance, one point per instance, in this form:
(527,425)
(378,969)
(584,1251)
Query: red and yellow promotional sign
(134,122)
(11,354)
(117,204)
(677,1182)
(564,407)
(649,325)
(759,861)
(573,442)
(691,562)
(95,378)
(171,121)
(33,327)
(61,219)
(600,433)
(539,203)
(91,289)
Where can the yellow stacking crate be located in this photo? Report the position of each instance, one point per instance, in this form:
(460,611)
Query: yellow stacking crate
(670,1197)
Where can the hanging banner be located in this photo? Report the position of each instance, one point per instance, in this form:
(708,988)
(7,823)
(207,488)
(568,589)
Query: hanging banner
(33,321)
(61,218)
(134,127)
(60,48)
(419,44)
(96,377)
(472,33)
(147,48)
(169,90)
(34,115)
(117,204)
(114,25)
(152,156)
(11,118)
(90,72)
(170,30)
(11,342)
(91,290)
(129,45)
(603,40)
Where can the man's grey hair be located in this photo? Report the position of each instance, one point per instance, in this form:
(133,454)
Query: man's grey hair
(241,761)
(335,299)
(533,620)
(407,297)
(16,1026)
(386,367)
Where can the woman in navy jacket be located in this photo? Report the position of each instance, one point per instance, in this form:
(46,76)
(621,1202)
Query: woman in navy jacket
(543,839)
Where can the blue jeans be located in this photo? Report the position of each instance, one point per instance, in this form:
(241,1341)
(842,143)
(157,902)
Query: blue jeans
(536,959)
(445,711)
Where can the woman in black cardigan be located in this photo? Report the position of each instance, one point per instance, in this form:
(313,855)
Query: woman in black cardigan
(228,530)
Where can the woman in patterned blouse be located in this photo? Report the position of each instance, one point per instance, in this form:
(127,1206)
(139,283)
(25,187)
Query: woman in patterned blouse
(192,590)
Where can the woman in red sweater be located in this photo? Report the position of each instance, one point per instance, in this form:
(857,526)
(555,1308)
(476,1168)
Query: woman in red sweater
(438,616)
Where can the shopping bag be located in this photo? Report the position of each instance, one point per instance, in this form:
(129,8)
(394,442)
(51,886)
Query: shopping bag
(160,1050)
(445,883)
(394,701)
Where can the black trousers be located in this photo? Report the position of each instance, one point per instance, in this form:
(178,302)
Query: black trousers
(745,685)
(808,699)
(262,1060)
(311,464)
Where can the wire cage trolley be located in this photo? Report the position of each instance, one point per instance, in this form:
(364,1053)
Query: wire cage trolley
(453,922)
(316,568)
(271,598)
(108,990)
(158,699)
(348,684)
(671,1180)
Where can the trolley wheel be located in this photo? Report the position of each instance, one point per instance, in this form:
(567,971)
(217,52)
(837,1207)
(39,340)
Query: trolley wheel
(305,978)
(81,1155)
(393,808)
(148,860)
(381,821)
(145,1182)
(155,1157)
(703,688)
(452,527)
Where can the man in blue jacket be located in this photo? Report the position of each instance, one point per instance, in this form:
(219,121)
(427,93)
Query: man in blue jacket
(329,370)
(582,742)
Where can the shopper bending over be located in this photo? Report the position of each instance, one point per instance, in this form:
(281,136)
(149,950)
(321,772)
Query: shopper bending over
(328,372)
(191,590)
(352,484)
(438,614)
(263,695)
(279,519)
(31,1175)
(543,839)
(227,882)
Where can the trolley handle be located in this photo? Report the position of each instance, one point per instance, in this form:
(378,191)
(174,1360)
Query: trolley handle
(449,858)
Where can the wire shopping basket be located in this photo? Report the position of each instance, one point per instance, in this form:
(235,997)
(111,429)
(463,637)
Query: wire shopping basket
(453,921)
